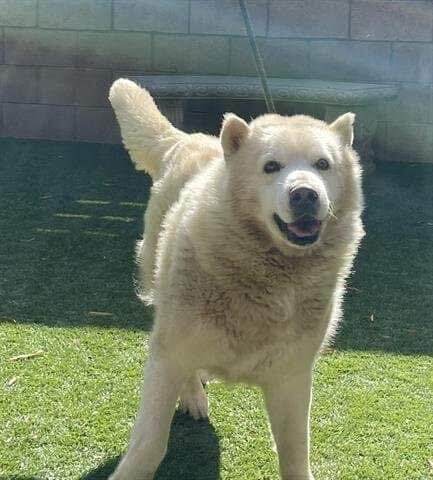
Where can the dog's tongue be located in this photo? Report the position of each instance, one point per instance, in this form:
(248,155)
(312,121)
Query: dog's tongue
(304,227)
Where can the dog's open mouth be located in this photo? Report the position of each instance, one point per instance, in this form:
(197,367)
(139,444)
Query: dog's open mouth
(304,231)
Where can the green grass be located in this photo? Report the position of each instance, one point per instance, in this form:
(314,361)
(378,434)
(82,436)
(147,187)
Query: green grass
(69,217)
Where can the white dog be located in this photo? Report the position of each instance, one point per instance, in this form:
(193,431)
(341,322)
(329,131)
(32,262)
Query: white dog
(249,240)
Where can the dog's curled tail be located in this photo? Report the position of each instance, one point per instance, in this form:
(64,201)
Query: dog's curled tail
(146,133)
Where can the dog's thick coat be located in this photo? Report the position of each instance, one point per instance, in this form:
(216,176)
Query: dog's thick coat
(244,287)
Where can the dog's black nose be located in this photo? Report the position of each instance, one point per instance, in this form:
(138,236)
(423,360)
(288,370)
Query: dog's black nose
(304,201)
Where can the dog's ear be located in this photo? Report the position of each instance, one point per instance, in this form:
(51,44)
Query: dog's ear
(343,127)
(233,133)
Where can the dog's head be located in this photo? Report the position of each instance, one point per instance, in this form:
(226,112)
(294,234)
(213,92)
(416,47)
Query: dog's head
(291,175)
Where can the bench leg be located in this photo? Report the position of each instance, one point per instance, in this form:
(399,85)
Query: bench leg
(173,110)
(365,129)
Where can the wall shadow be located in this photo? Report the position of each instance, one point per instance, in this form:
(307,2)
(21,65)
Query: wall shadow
(193,453)
(389,300)
(70,215)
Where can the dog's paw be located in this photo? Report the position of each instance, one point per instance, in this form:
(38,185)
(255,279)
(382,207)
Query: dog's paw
(194,403)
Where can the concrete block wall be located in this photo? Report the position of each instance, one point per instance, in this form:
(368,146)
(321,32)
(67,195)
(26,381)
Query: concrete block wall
(59,57)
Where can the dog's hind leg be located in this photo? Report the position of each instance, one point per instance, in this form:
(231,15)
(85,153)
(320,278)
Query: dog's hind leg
(193,397)
(162,383)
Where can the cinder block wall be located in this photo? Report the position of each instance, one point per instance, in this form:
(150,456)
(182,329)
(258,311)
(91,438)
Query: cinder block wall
(59,57)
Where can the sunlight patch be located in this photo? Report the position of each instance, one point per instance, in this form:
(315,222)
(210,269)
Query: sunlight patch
(100,314)
(132,204)
(97,233)
(118,219)
(72,215)
(93,202)
(51,230)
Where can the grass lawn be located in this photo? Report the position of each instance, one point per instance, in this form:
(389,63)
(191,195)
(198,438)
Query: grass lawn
(69,217)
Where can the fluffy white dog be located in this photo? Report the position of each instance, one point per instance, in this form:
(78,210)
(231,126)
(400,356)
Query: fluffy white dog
(249,240)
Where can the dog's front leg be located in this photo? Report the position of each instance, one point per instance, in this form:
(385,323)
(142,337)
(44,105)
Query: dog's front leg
(162,382)
(288,404)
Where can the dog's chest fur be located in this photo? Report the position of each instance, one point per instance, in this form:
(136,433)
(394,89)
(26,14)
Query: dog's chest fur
(256,322)
(268,330)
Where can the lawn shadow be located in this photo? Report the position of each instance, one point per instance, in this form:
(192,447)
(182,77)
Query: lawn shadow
(193,453)
(389,300)
(70,215)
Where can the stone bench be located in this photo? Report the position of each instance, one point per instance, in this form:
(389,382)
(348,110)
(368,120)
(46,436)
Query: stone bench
(171,91)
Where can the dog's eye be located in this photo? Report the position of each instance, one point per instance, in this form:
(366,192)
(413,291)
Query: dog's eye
(322,164)
(272,166)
